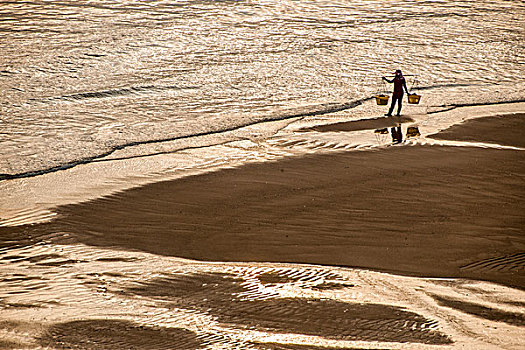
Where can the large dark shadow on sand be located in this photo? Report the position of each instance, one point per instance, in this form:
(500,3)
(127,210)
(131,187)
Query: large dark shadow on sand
(420,210)
(505,130)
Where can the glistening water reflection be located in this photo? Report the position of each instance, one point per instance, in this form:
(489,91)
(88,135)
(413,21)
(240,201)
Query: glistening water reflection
(78,79)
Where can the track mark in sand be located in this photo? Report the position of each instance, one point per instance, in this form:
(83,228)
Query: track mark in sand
(29,217)
(287,275)
(438,142)
(508,263)
(44,260)
(117,334)
(307,144)
(512,318)
(19,306)
(277,346)
(331,286)
(117,259)
(222,296)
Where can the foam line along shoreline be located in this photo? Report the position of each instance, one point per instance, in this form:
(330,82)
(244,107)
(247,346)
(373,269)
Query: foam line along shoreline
(334,109)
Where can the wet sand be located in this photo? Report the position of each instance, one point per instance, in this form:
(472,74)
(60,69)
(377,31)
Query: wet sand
(432,211)
(441,210)
(108,299)
(357,125)
(504,130)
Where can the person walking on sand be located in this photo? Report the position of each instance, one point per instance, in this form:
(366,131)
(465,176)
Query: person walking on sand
(399,85)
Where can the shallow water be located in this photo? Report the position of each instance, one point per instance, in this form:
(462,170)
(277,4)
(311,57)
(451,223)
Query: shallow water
(81,79)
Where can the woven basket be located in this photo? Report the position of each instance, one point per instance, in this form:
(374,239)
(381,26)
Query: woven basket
(382,99)
(414,99)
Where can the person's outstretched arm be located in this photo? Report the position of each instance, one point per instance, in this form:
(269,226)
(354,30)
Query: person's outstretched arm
(405,86)
(390,81)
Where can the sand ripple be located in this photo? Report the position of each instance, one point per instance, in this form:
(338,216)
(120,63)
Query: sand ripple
(507,263)
(89,298)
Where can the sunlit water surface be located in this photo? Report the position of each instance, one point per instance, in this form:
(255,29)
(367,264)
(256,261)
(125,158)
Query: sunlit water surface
(79,79)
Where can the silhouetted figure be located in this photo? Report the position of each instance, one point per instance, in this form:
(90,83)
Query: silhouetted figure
(397,135)
(399,85)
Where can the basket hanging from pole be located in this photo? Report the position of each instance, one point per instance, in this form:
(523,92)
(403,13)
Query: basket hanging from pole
(382,97)
(414,98)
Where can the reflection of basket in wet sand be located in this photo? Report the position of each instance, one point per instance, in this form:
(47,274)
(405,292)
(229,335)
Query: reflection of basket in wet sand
(382,131)
(414,99)
(382,99)
(413,131)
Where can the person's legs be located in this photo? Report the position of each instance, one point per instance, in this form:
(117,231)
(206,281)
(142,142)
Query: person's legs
(389,114)
(399,104)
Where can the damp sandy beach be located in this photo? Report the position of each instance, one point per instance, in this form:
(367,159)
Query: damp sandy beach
(417,244)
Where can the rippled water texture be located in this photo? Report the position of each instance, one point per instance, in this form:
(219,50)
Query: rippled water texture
(79,79)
